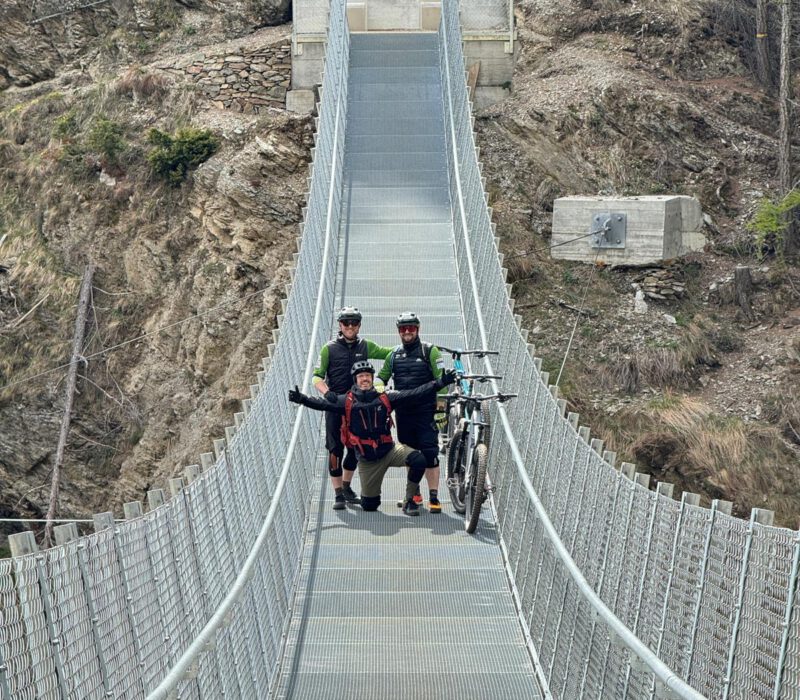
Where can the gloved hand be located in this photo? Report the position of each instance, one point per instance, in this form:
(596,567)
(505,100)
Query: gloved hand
(296,396)
(448,377)
(331,396)
(440,418)
(378,385)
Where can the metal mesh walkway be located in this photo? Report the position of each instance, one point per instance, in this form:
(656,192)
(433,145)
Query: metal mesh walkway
(391,606)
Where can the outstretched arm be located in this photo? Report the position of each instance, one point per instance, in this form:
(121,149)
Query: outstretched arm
(316,403)
(401,398)
(377,352)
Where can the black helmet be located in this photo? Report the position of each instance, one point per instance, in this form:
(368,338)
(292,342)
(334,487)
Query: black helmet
(362,366)
(348,313)
(407,318)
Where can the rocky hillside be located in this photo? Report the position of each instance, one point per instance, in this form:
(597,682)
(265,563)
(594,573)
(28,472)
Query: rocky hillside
(190,272)
(608,97)
(620,98)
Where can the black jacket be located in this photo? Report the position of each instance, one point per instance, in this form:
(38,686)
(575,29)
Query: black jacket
(369,411)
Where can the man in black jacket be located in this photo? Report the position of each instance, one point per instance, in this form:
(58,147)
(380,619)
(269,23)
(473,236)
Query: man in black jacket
(367,426)
(412,364)
(332,377)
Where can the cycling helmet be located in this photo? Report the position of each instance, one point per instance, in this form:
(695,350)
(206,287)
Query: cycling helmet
(349,313)
(407,318)
(362,366)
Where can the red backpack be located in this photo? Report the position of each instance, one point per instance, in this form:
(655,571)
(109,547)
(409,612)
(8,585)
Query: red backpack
(352,439)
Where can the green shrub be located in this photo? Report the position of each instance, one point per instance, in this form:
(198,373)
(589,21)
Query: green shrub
(105,138)
(66,126)
(771,220)
(174,156)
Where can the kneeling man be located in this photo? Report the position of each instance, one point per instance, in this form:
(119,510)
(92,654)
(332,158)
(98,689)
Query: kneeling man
(367,428)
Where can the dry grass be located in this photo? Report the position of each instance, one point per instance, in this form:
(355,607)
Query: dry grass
(681,440)
(31,120)
(666,366)
(141,85)
(784,411)
(30,346)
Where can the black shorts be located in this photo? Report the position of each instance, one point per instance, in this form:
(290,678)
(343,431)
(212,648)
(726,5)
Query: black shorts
(333,440)
(418,430)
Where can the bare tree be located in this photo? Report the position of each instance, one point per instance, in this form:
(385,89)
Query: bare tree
(77,344)
(763,69)
(784,100)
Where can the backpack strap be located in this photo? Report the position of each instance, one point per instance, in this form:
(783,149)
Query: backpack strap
(426,352)
(346,435)
(350,439)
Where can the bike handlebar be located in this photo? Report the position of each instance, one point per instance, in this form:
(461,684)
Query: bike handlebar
(466,398)
(480,377)
(455,353)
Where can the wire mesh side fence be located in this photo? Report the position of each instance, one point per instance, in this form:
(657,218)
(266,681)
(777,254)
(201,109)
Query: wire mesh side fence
(111,613)
(712,597)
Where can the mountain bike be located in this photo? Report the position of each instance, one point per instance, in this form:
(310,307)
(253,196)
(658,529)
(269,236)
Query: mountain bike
(468,456)
(467,439)
(464,386)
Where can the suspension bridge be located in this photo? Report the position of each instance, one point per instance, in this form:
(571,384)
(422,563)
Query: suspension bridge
(582,581)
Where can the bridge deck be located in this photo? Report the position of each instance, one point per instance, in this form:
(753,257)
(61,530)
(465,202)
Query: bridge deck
(391,606)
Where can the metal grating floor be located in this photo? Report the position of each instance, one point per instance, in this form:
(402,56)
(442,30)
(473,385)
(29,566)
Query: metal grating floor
(390,606)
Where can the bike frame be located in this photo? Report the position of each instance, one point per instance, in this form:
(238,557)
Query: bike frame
(473,429)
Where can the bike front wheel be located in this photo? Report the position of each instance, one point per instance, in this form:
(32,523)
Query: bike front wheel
(475,489)
(456,470)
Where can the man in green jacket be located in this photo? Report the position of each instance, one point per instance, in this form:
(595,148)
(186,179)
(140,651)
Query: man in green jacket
(332,377)
(412,364)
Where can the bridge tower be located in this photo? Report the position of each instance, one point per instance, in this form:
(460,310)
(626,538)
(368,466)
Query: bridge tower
(487,26)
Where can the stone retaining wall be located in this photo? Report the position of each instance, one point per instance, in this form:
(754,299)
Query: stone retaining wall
(245,81)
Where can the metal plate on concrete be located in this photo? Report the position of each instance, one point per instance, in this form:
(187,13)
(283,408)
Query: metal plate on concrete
(609,229)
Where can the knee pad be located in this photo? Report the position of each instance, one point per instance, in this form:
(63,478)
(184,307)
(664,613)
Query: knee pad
(370,502)
(431,455)
(416,464)
(334,465)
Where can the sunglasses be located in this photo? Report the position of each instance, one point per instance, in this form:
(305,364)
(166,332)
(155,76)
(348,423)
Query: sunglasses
(406,329)
(350,323)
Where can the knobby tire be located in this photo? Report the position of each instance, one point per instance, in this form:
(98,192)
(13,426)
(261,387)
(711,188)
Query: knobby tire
(475,489)
(456,470)
(453,422)
(487,429)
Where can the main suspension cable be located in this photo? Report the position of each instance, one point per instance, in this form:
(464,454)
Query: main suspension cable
(133,340)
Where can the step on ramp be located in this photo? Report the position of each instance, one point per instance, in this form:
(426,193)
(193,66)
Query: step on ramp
(391,606)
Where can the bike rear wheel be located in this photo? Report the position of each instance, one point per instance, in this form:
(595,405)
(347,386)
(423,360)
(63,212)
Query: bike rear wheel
(487,429)
(456,469)
(453,422)
(475,489)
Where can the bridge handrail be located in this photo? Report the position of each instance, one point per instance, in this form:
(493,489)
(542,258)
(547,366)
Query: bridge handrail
(337,29)
(451,28)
